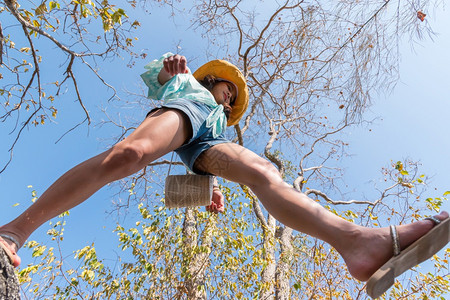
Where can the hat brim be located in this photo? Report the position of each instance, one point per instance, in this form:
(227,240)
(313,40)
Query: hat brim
(226,70)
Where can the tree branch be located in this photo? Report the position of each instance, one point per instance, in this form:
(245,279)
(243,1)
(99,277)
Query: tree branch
(371,203)
(12,8)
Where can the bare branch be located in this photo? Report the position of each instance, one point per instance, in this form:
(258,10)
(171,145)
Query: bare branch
(350,39)
(1,43)
(256,207)
(384,195)
(165,162)
(11,4)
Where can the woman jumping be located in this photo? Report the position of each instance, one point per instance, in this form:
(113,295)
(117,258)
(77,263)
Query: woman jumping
(191,121)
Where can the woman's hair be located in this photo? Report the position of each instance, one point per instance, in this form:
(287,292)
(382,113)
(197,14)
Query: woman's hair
(208,82)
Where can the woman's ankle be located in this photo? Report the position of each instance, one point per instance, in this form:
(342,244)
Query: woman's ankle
(12,238)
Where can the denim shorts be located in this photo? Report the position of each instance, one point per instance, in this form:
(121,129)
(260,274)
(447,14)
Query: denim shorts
(202,138)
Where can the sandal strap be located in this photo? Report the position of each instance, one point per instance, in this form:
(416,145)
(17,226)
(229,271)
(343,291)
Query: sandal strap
(12,239)
(435,220)
(395,240)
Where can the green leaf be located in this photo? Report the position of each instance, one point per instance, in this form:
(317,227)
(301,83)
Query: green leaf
(38,251)
(53,5)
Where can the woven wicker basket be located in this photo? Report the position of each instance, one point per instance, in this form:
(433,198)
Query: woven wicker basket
(188,190)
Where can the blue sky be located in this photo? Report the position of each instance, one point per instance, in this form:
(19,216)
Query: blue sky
(413,120)
(413,123)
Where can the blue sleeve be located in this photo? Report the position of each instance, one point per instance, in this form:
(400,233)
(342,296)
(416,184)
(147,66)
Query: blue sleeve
(151,76)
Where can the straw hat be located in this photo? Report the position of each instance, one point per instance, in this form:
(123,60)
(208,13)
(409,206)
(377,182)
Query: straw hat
(225,70)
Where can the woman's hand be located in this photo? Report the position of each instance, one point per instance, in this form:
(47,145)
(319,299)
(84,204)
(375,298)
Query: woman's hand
(217,202)
(176,64)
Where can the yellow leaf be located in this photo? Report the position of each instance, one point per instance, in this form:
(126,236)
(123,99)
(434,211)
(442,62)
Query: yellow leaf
(41,9)
(407,184)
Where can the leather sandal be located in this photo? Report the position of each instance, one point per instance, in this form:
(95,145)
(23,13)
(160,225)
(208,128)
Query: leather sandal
(419,251)
(12,255)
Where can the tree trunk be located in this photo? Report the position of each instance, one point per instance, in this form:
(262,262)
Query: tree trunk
(282,287)
(196,259)
(9,285)
(268,273)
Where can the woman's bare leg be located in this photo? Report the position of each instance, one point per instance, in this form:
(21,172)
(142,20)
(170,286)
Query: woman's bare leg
(160,133)
(363,249)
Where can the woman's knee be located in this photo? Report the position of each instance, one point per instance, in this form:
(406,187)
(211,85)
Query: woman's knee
(263,173)
(124,159)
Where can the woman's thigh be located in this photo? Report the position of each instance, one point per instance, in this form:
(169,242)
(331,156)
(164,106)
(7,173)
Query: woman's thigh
(164,130)
(236,163)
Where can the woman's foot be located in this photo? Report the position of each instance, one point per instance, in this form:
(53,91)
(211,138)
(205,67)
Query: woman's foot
(10,247)
(372,247)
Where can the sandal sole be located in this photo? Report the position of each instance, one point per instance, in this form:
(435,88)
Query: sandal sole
(418,252)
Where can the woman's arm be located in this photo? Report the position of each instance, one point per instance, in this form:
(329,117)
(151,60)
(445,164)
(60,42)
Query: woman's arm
(173,65)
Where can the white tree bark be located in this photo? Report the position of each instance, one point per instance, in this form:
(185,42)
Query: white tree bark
(9,285)
(196,261)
